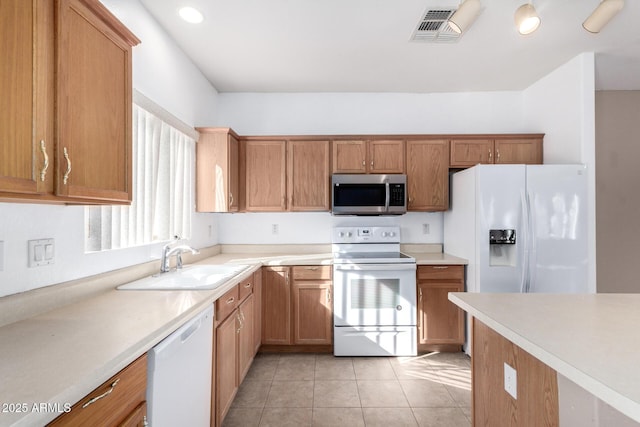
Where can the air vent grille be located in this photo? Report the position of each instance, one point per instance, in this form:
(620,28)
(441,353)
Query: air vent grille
(433,27)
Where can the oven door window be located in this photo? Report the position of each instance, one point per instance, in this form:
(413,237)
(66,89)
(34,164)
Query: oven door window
(374,293)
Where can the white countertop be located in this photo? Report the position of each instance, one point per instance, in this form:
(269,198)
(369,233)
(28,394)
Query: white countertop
(592,339)
(68,349)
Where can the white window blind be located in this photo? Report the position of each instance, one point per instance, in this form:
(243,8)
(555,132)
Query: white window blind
(163,195)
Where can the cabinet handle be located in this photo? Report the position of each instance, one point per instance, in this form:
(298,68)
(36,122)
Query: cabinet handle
(231,300)
(420,293)
(371,163)
(311,268)
(440,267)
(247,285)
(328,296)
(363,163)
(239,323)
(65,178)
(497,156)
(286,277)
(489,155)
(105,394)
(230,199)
(45,166)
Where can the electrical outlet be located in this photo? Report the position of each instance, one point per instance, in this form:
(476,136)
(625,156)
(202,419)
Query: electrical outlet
(511,381)
(425,228)
(275,228)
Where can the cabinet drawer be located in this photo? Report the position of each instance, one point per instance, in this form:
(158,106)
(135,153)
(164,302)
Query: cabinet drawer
(113,401)
(245,288)
(312,272)
(448,272)
(227,303)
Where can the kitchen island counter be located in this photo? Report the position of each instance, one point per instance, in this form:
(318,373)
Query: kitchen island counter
(591,339)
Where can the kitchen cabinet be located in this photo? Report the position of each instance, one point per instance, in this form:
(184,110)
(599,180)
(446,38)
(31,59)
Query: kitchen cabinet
(245,335)
(217,170)
(276,306)
(368,156)
(66,126)
(428,175)
(308,175)
(226,354)
(312,305)
(512,149)
(440,322)
(265,183)
(26,84)
(121,400)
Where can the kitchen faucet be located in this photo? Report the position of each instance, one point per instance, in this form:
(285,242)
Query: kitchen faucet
(168,251)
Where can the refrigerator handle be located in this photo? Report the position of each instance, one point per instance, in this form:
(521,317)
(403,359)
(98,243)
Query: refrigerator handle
(524,238)
(531,199)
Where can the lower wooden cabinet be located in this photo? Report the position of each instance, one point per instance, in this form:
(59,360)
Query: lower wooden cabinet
(120,401)
(226,366)
(276,306)
(312,305)
(245,337)
(440,322)
(297,305)
(257,312)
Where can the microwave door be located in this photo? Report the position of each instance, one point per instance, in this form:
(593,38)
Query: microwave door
(360,198)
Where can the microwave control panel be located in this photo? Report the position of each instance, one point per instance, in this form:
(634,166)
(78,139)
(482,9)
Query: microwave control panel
(396,194)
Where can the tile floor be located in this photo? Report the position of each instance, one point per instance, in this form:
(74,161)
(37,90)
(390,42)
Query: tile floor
(322,390)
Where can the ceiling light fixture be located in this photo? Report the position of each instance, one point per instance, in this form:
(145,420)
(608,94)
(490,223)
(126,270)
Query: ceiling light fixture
(462,19)
(191,15)
(606,10)
(527,20)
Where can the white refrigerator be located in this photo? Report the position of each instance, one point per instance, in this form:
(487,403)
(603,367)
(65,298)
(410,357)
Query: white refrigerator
(523,228)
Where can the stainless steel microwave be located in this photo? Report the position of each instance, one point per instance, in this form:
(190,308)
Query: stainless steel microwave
(368,194)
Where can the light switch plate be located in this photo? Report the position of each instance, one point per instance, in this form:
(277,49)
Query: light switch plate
(41,252)
(510,381)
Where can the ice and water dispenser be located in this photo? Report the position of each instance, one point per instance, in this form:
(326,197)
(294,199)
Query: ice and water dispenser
(502,247)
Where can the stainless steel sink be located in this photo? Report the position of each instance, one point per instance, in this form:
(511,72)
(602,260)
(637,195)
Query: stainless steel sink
(194,277)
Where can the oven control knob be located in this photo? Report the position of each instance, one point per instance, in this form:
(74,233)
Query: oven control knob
(398,307)
(392,233)
(384,234)
(340,234)
(348,234)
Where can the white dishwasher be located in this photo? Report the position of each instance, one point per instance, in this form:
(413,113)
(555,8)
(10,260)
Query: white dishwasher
(179,375)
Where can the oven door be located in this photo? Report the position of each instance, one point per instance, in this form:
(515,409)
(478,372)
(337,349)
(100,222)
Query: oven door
(374,294)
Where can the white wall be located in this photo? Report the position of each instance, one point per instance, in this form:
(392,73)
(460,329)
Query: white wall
(356,113)
(161,72)
(562,105)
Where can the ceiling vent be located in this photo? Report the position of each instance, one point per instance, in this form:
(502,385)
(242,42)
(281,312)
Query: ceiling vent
(433,27)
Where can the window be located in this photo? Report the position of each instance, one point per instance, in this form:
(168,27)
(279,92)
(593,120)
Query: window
(163,195)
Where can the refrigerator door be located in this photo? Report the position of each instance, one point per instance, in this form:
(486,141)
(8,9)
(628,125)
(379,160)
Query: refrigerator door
(500,196)
(557,196)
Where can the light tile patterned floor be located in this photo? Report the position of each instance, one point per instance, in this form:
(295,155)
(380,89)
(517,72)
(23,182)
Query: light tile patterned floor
(322,390)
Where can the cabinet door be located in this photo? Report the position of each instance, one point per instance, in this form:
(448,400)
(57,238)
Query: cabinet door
(226,365)
(312,313)
(245,337)
(428,175)
(216,171)
(517,151)
(94,104)
(137,418)
(470,152)
(349,156)
(266,176)
(257,311)
(308,175)
(441,322)
(26,85)
(386,156)
(276,306)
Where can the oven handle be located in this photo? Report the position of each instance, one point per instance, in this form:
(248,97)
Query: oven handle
(375,267)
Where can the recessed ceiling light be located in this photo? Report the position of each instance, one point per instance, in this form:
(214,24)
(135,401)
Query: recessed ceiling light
(191,15)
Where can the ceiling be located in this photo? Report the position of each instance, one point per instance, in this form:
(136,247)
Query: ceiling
(364,45)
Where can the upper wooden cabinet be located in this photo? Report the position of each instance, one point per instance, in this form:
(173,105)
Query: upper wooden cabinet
(217,171)
(70,70)
(513,149)
(364,156)
(266,189)
(428,175)
(26,84)
(308,175)
(94,103)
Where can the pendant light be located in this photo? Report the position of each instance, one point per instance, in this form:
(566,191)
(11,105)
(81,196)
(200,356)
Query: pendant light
(527,20)
(606,10)
(462,19)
